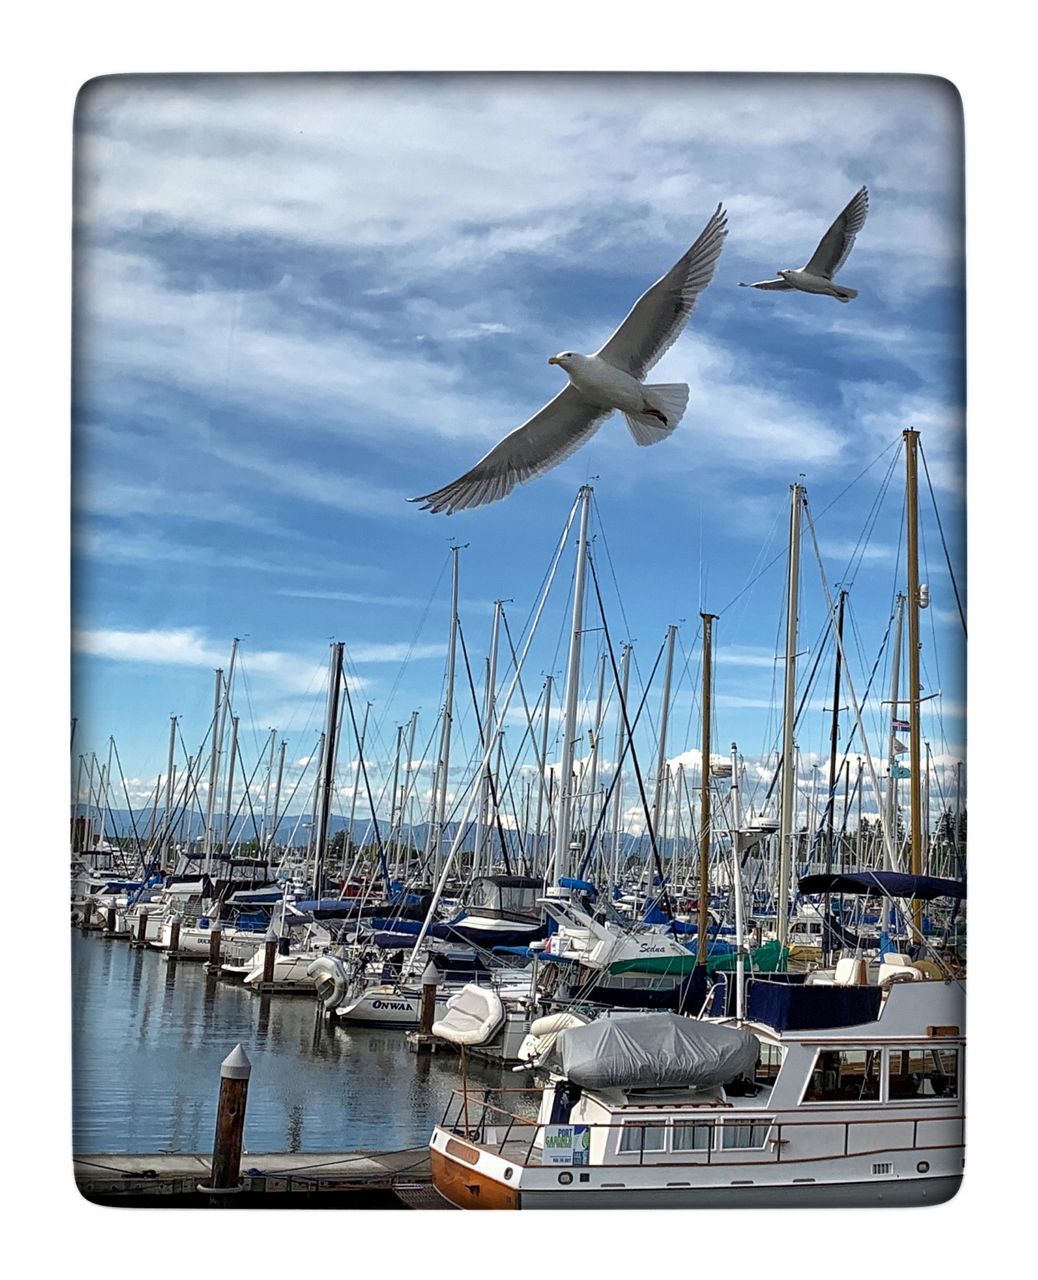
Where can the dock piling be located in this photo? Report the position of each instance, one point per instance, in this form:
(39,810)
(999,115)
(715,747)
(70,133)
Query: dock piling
(214,946)
(270,951)
(225,1175)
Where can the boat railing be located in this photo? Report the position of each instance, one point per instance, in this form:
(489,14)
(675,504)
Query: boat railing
(473,1117)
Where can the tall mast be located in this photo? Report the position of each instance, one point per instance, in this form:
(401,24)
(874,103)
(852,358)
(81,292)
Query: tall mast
(661,760)
(625,672)
(485,736)
(704,798)
(740,944)
(562,829)
(276,815)
(786,811)
(911,439)
(592,786)
(232,756)
(895,689)
(266,790)
(448,717)
(545,773)
(395,805)
(356,774)
(328,773)
(834,737)
(167,821)
(214,766)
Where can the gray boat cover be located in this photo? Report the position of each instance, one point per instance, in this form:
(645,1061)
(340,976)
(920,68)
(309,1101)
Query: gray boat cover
(653,1051)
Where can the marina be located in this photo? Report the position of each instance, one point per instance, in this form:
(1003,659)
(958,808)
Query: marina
(613,853)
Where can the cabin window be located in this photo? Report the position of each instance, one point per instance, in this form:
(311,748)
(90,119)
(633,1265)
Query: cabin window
(643,1137)
(742,1135)
(769,1063)
(845,1075)
(924,1072)
(692,1135)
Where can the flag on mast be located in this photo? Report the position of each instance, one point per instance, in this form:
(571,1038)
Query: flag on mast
(901,726)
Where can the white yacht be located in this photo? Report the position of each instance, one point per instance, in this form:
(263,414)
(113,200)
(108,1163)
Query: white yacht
(826,1094)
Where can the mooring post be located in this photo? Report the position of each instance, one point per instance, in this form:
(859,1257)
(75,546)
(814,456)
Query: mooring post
(270,953)
(427,1015)
(142,927)
(225,1176)
(214,946)
(174,935)
(110,920)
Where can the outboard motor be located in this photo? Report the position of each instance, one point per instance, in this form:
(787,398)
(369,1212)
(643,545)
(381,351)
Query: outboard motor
(330,979)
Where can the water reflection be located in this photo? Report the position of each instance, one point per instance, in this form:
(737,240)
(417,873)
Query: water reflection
(148,1038)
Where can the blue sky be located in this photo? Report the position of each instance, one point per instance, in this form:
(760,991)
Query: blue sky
(301,300)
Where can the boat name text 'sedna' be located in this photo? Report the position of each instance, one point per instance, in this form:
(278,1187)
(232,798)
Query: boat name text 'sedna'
(401,1006)
(654,948)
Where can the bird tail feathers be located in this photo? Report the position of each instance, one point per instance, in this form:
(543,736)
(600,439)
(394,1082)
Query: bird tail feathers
(669,399)
(845,294)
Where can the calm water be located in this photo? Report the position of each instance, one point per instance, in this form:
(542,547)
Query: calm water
(148,1038)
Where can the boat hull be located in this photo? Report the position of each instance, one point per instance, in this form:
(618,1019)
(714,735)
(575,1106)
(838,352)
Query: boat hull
(467,1187)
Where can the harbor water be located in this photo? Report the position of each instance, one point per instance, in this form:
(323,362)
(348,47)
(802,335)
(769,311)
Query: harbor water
(148,1037)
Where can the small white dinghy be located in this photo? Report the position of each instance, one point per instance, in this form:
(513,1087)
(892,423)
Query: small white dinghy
(474,1016)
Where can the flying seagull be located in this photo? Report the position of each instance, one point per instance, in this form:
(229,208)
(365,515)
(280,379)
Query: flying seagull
(828,258)
(611,378)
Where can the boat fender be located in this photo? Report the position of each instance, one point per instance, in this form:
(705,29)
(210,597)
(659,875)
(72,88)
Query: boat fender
(330,979)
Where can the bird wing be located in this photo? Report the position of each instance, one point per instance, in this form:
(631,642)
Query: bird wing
(659,315)
(767,284)
(549,437)
(838,241)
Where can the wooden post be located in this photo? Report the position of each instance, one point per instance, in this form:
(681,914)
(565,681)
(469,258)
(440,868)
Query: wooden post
(427,1009)
(270,952)
(110,920)
(230,1123)
(142,928)
(214,946)
(174,935)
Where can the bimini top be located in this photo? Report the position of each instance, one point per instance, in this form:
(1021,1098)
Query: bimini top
(896,884)
(652,1051)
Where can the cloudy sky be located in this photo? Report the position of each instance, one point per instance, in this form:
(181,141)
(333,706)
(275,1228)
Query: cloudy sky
(301,300)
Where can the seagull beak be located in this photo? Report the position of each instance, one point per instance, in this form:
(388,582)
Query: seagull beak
(552,360)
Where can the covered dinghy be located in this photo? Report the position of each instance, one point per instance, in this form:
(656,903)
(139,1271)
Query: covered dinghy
(653,1051)
(472,1017)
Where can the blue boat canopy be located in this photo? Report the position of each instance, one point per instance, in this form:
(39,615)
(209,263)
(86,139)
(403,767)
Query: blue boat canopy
(896,884)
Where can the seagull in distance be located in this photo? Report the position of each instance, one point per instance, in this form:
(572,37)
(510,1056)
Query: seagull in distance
(828,258)
(611,378)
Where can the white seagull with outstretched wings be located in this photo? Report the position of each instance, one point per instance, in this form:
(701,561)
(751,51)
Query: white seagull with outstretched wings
(610,379)
(828,258)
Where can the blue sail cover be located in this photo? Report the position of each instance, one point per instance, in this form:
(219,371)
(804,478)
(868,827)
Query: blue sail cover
(895,884)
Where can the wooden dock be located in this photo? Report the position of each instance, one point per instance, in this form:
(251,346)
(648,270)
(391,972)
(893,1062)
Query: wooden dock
(369,1179)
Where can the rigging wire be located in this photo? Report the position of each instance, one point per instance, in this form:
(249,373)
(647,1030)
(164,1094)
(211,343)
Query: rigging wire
(944,544)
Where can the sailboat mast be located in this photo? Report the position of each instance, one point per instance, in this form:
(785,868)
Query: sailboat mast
(276,815)
(167,820)
(704,797)
(448,717)
(911,439)
(740,941)
(562,829)
(895,689)
(214,765)
(661,762)
(786,815)
(487,733)
(328,774)
(834,738)
(625,671)
(231,758)
(545,772)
